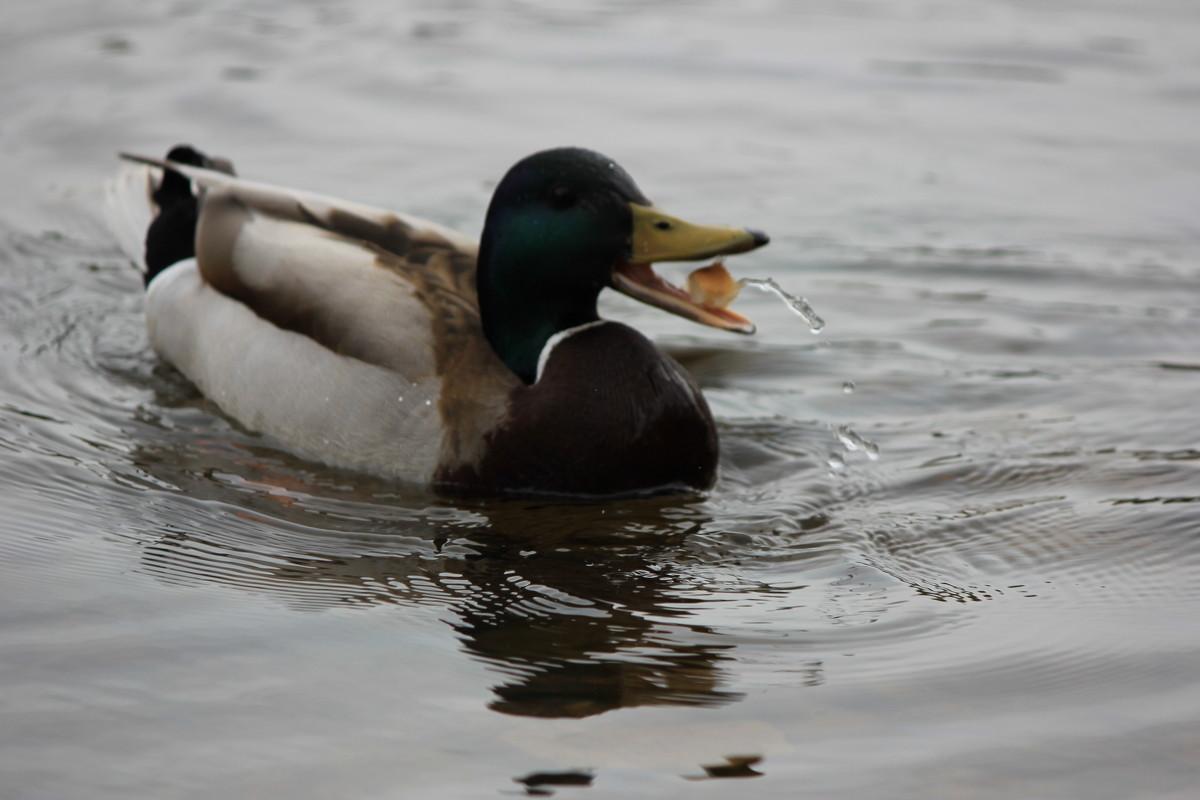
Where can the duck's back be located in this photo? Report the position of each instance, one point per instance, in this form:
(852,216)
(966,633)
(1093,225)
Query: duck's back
(342,411)
(333,327)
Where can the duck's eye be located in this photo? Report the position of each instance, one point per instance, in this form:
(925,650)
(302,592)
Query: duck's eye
(561,196)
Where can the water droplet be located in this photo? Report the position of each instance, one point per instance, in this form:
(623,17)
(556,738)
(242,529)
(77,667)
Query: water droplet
(797,304)
(400,399)
(851,440)
(428,402)
(835,461)
(848,387)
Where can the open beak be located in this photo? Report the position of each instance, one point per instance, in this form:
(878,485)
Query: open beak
(660,237)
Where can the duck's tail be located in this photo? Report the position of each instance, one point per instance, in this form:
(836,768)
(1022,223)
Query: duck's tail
(153,209)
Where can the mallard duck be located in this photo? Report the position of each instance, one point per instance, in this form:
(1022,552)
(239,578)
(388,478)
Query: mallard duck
(377,341)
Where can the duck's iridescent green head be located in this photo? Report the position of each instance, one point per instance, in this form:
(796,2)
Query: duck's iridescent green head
(562,225)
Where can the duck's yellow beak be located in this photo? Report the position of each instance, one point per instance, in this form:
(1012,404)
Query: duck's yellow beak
(658,236)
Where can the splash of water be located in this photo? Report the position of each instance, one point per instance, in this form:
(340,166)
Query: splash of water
(851,440)
(797,304)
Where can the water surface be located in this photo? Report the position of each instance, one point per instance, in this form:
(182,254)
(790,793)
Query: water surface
(992,208)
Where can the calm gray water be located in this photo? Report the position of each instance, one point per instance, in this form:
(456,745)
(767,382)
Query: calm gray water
(993,206)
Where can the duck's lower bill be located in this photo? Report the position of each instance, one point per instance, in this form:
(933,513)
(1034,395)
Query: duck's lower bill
(641,282)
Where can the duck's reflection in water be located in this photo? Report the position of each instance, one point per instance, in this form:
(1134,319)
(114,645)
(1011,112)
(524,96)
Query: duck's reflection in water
(583,608)
(581,628)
